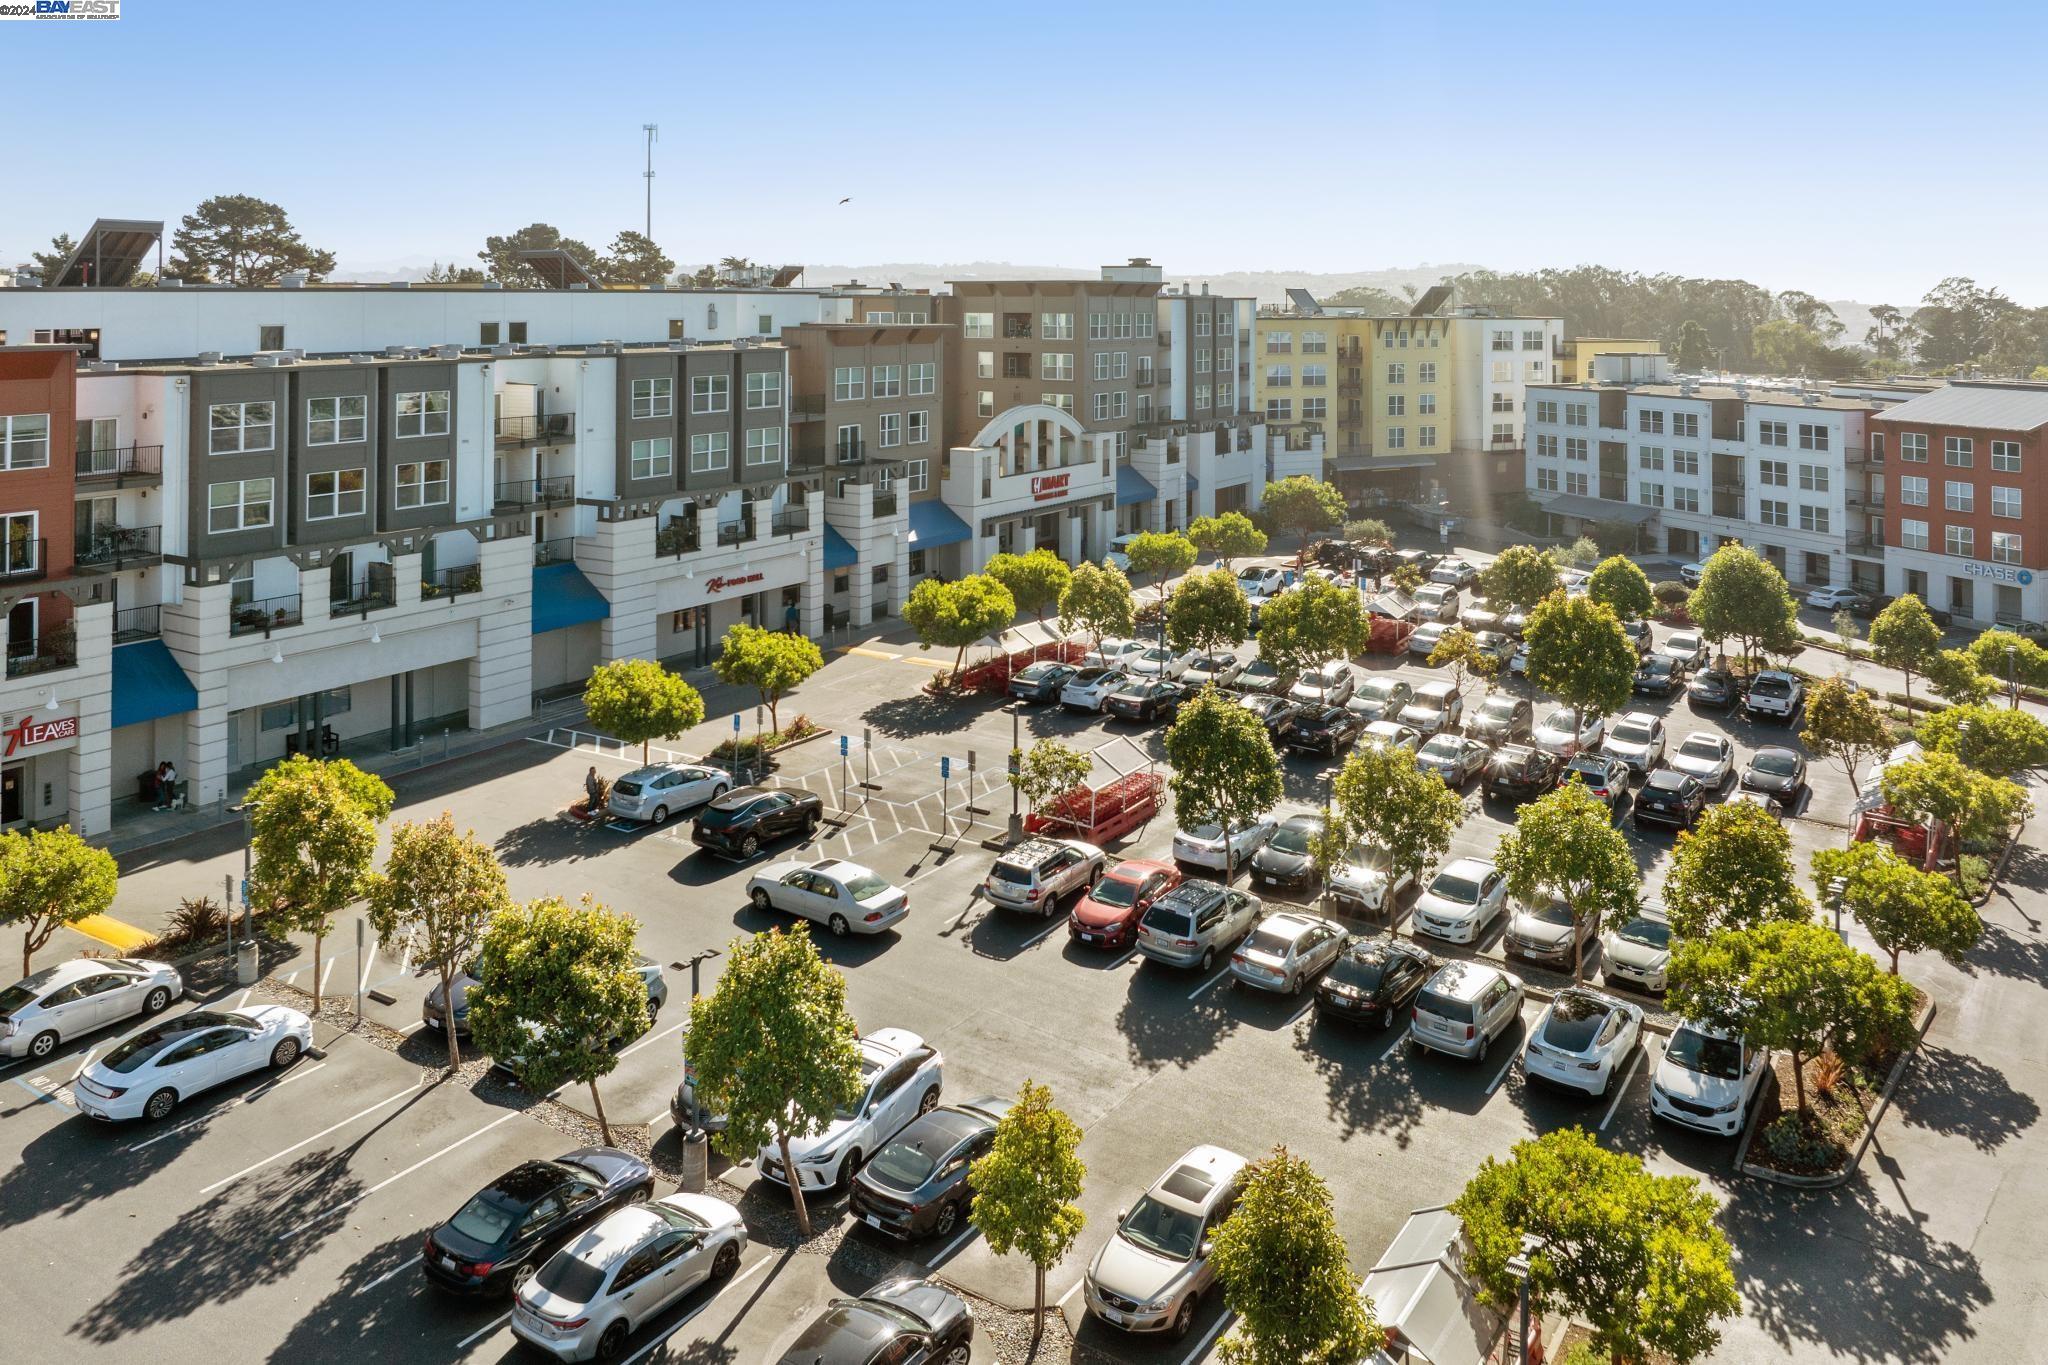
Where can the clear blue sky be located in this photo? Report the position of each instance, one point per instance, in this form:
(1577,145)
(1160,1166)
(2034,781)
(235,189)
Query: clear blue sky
(1858,151)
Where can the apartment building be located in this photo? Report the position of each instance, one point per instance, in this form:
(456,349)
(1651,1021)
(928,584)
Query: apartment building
(1969,480)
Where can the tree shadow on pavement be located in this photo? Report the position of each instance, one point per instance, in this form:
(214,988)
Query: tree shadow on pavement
(555,838)
(917,714)
(1956,1095)
(80,1161)
(1161,1027)
(2002,952)
(1350,1060)
(360,1309)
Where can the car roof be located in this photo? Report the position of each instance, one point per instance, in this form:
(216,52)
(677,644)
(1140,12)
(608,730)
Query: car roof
(1138,868)
(1295,923)
(529,1180)
(1668,778)
(888,1044)
(64,973)
(1638,717)
(1471,867)
(618,1235)
(1198,1179)
(1441,687)
(1464,980)
(738,797)
(658,770)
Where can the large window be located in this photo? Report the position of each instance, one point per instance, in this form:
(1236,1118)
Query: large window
(917,475)
(1425,373)
(1650,457)
(1912,490)
(1814,477)
(2005,547)
(1315,409)
(764,446)
(2005,456)
(1913,447)
(1686,462)
(1957,451)
(1912,534)
(1279,376)
(1425,403)
(1575,414)
(1812,437)
(1279,343)
(25,441)
(1546,480)
(1650,494)
(1098,326)
(1056,326)
(1546,410)
(919,429)
(1314,376)
(1685,499)
(424,413)
(1279,409)
(1774,473)
(924,378)
(764,390)
(1958,495)
(1397,405)
(239,505)
(238,428)
(654,397)
(888,381)
(1959,540)
(1813,518)
(1685,424)
(1773,434)
(710,451)
(1397,438)
(337,421)
(1773,513)
(710,393)
(978,324)
(423,483)
(654,458)
(1056,365)
(892,428)
(849,383)
(1649,421)
(1313,343)
(334,493)
(2005,502)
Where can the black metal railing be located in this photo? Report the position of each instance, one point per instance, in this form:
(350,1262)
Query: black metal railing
(452,582)
(681,535)
(850,452)
(363,596)
(1016,329)
(559,489)
(789,520)
(120,462)
(138,623)
(561,550)
(264,615)
(1144,379)
(736,532)
(24,558)
(112,547)
(537,429)
(52,651)
(885,502)
(805,406)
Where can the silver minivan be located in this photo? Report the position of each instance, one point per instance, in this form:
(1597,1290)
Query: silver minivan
(1465,1006)
(1196,923)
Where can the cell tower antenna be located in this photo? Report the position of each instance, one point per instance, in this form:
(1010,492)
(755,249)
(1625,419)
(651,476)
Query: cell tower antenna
(653,131)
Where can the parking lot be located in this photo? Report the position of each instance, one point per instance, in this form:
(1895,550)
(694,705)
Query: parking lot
(283,1215)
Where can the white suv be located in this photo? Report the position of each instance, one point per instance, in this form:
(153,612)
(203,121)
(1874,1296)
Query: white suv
(1039,873)
(1707,1079)
(902,1076)
(1776,695)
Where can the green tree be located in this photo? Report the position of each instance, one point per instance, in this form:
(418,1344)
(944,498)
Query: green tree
(1731,870)
(1036,581)
(1224,769)
(1406,577)
(1098,603)
(1956,679)
(1369,531)
(2010,660)
(633,259)
(774,1048)
(957,614)
(501,254)
(1229,536)
(438,892)
(1844,724)
(1457,649)
(1520,578)
(1313,624)
(1904,636)
(312,839)
(1286,1275)
(1636,1255)
(1047,771)
(1622,587)
(241,240)
(1993,740)
(1165,553)
(1904,909)
(557,986)
(1937,786)
(769,661)
(1695,353)
(1847,629)
(51,878)
(1741,596)
(1208,613)
(637,701)
(1025,1188)
(1564,843)
(1304,505)
(452,273)
(1582,553)
(48,263)
(1578,654)
(1382,800)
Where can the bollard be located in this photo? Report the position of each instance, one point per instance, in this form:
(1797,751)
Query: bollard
(696,1161)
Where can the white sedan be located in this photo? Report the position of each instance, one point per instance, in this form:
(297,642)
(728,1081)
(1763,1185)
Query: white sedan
(1554,734)
(1327,684)
(1454,758)
(1708,757)
(844,897)
(1220,669)
(1829,599)
(1202,846)
(1583,1039)
(74,998)
(1159,662)
(1366,880)
(1091,688)
(148,1075)
(1391,734)
(1462,899)
(1112,652)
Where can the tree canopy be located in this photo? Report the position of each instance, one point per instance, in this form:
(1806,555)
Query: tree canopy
(1302,504)
(1994,740)
(1520,578)
(1844,724)
(1208,612)
(1312,624)
(1224,769)
(1047,771)
(1742,597)
(242,240)
(637,701)
(1097,602)
(1457,650)
(1564,844)
(1578,654)
(438,892)
(633,259)
(312,839)
(1732,869)
(1956,679)
(1228,536)
(1036,581)
(1904,636)
(1382,800)
(1904,909)
(1622,587)
(50,878)
(1165,553)
(1026,1186)
(501,254)
(1975,806)
(769,661)
(957,614)
(1286,1275)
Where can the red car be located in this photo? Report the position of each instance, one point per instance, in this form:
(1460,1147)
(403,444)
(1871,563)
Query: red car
(1107,914)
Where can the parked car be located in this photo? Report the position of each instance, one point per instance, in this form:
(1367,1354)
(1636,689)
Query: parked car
(901,1077)
(1833,599)
(1582,1041)
(1423,640)
(1547,932)
(660,790)
(1160,662)
(1454,758)
(1153,1272)
(1390,734)
(1323,729)
(1376,979)
(1518,662)
(508,1229)
(1287,951)
(1285,859)
(844,897)
(1276,712)
(1438,706)
(1602,776)
(1381,697)
(1713,688)
(914,1321)
(1459,573)
(1091,688)
(149,1074)
(1262,582)
(916,1185)
(1705,757)
(1220,669)
(1669,797)
(514,1063)
(1041,682)
(72,999)
(738,823)
(1689,574)
(1113,652)
(1494,645)
(1194,922)
(1328,684)
(1438,602)
(1637,739)
(1640,636)
(1423,560)
(1686,648)
(1479,618)
(1777,773)
(1462,901)
(1707,1079)
(1041,872)
(1658,676)
(1202,845)
(1517,772)
(1638,953)
(1119,554)
(1774,695)
(1146,700)
(1463,1008)
(1107,914)
(1365,881)
(1258,676)
(1561,732)
(1513,623)
(623,1273)
(1501,719)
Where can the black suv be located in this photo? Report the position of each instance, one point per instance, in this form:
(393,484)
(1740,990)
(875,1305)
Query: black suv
(508,1228)
(738,823)
(1276,712)
(1324,729)
(1375,979)
(1517,772)
(1669,797)
(916,1186)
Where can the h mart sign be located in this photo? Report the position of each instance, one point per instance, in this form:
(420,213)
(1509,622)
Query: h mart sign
(1047,487)
(30,733)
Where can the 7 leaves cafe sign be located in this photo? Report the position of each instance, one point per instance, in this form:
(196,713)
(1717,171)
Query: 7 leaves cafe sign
(36,731)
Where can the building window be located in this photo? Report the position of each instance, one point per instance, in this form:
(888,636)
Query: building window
(849,444)
(654,397)
(1774,473)
(1813,519)
(487,334)
(2005,457)
(888,382)
(1120,401)
(1546,446)
(1397,438)
(1913,447)
(1063,401)
(422,414)
(1098,326)
(422,484)
(238,505)
(984,364)
(1314,409)
(917,475)
(2005,547)
(1686,462)
(1772,513)
(1575,414)
(1575,483)
(1122,323)
(1650,494)
(1650,457)
(892,429)
(1056,326)
(337,421)
(914,564)
(849,383)
(924,378)
(1546,410)
(654,458)
(1279,409)
(1912,490)
(2005,502)
(1575,447)
(1532,340)
(985,402)
(1773,434)
(1202,324)
(1912,534)
(1425,373)
(1546,480)
(710,451)
(1957,451)
(710,393)
(1958,496)
(764,389)
(1425,403)
(239,428)
(1812,437)
(978,325)
(1813,478)
(1314,376)
(25,440)
(1315,343)
(270,337)
(1652,422)
(764,445)
(1502,341)
(515,332)
(1503,433)
(1202,396)
(1397,405)
(1056,365)
(1685,424)
(920,429)
(1685,499)
(1397,372)
(1959,540)
(1146,323)
(1099,407)
(334,493)
(1279,343)
(1503,402)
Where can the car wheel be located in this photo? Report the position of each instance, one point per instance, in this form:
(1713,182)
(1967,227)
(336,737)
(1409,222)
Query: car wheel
(811,823)
(161,1104)
(1485,1040)
(838,925)
(285,1053)
(1606,1084)
(948,1219)
(1208,958)
(726,1262)
(613,1342)
(1386,1017)
(1184,1320)
(641,1194)
(759,896)
(750,845)
(43,1045)
(520,1275)
(848,1169)
(156,1000)
(1292,985)
(959,1355)
(660,817)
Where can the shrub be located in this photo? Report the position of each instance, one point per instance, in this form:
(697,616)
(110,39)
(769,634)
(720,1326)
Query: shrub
(1585,1353)
(197,922)
(1829,1071)
(1670,592)
(1800,1146)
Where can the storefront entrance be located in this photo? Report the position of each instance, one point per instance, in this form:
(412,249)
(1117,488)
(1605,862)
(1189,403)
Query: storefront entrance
(11,778)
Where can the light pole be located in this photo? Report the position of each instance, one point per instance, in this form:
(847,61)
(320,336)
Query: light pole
(2012,677)
(1518,1266)
(696,1153)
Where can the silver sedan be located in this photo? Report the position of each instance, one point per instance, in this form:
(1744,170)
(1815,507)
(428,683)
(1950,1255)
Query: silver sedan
(1707,757)
(844,897)
(1287,951)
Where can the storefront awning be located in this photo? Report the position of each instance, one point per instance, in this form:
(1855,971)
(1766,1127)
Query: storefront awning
(933,524)
(149,684)
(1595,509)
(563,597)
(1131,486)
(1194,484)
(838,553)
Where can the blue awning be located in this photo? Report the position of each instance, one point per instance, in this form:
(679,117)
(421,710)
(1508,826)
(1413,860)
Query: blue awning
(149,685)
(1194,484)
(838,553)
(933,524)
(563,597)
(1131,486)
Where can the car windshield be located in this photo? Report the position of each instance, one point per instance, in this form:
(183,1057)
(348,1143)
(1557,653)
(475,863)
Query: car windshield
(1204,834)
(1455,886)
(1368,859)
(1425,701)
(718,817)
(1036,672)
(1379,689)
(1574,1021)
(1156,656)
(1776,762)
(1651,933)
(1162,919)
(1498,708)
(566,1277)
(15,996)
(1550,912)
(1365,974)
(1700,746)
(869,1068)
(866,886)
(1292,838)
(1088,677)
(1443,747)
(1559,720)
(1258,668)
(1115,892)
(1656,665)
(1683,643)
(486,1218)
(1163,1229)
(1695,1051)
(1634,732)
(1214,663)
(903,1165)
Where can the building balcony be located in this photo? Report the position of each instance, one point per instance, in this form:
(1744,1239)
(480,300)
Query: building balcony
(884,503)
(1165,338)
(451,582)
(363,596)
(558,491)
(1352,355)
(263,615)
(24,559)
(121,466)
(807,407)
(538,429)
(110,549)
(736,532)
(52,650)
(849,452)
(681,535)
(1350,388)
(1869,544)
(789,521)
(1016,326)
(1858,497)
(138,623)
(1144,380)
(561,550)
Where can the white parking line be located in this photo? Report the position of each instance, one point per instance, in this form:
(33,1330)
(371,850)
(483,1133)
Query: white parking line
(39,1093)
(1201,1347)
(684,1320)
(655,1037)
(951,1247)
(360,1113)
(480,1333)
(1047,932)
(1061,1302)
(1302,1013)
(348,1204)
(1128,955)
(255,1094)
(246,994)
(395,1270)
(1506,1067)
(327,972)
(1622,1089)
(1197,991)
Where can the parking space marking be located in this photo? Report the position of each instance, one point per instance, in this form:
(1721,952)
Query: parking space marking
(1502,1074)
(1129,953)
(947,1251)
(1208,1338)
(327,972)
(348,1204)
(395,1270)
(684,1321)
(48,1096)
(1061,1301)
(480,1333)
(1043,934)
(360,1113)
(1621,1090)
(1197,991)
(294,1074)
(655,1037)
(1302,1013)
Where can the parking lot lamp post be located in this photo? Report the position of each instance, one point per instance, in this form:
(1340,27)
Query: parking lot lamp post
(2012,677)
(1016,747)
(1518,1266)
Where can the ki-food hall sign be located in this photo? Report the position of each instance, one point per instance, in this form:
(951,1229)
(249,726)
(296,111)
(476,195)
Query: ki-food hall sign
(30,733)
(721,583)
(1048,487)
